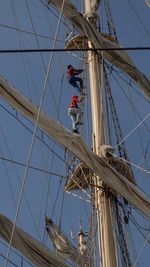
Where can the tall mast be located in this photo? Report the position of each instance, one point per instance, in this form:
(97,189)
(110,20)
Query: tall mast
(102,197)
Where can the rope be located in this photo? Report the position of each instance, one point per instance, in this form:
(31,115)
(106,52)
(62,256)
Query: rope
(57,117)
(29,32)
(22,45)
(137,259)
(41,56)
(110,23)
(132,130)
(133,106)
(132,244)
(32,167)
(122,243)
(116,122)
(11,262)
(38,137)
(91,253)
(139,134)
(52,161)
(130,82)
(48,187)
(9,182)
(133,164)
(17,254)
(51,30)
(138,17)
(32,142)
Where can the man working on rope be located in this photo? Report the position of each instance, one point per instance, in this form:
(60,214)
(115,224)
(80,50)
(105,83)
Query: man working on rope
(75,113)
(73,80)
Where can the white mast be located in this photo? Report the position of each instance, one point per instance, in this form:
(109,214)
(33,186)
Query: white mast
(102,198)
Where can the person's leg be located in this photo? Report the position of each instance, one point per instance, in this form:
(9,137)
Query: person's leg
(80,82)
(79,117)
(73,114)
(73,82)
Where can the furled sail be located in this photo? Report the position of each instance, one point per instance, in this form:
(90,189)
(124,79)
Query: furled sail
(76,145)
(63,246)
(117,163)
(82,175)
(29,247)
(118,58)
(93,6)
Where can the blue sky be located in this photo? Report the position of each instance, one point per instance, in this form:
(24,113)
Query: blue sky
(26,73)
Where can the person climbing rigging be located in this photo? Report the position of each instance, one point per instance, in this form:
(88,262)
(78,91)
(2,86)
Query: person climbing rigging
(76,82)
(75,113)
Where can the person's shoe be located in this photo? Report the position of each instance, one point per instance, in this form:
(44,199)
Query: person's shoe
(76,131)
(79,123)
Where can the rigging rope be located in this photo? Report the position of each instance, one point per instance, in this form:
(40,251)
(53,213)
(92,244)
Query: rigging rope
(137,259)
(117,126)
(110,22)
(33,168)
(133,106)
(16,253)
(52,161)
(123,243)
(131,163)
(18,178)
(111,30)
(8,180)
(41,56)
(31,33)
(91,253)
(139,136)
(129,83)
(38,137)
(32,143)
(22,45)
(138,17)
(139,124)
(11,262)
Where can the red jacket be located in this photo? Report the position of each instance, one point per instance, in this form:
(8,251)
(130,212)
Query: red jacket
(71,71)
(74,102)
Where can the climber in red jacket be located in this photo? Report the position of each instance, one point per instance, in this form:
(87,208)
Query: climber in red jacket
(76,82)
(75,113)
